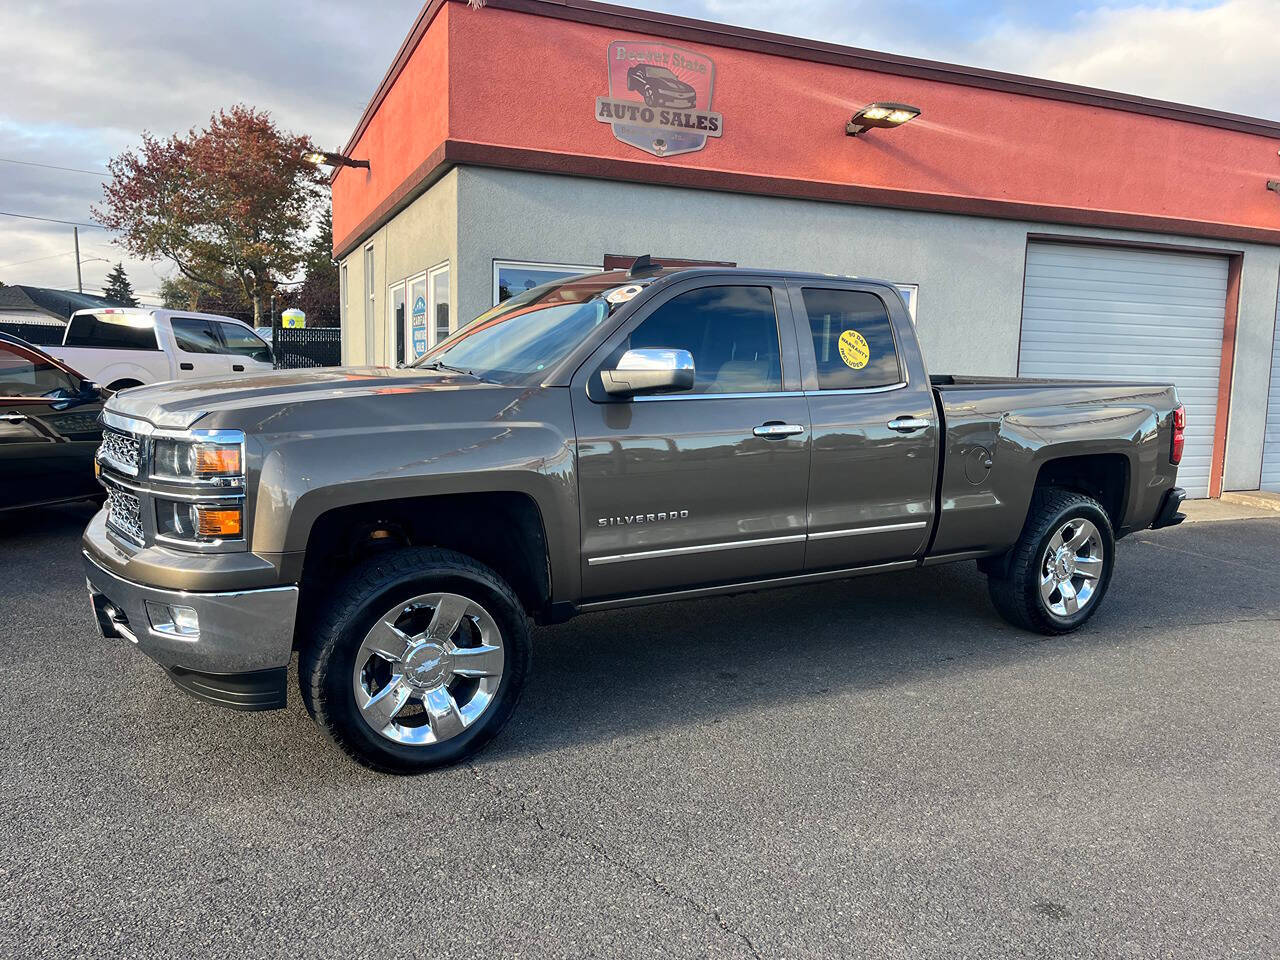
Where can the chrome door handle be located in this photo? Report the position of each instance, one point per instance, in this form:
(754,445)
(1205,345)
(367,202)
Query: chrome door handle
(12,417)
(777,431)
(909,424)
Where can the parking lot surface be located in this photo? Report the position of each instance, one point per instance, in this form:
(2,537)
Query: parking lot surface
(872,768)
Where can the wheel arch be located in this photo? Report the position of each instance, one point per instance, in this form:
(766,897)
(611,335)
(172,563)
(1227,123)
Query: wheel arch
(504,530)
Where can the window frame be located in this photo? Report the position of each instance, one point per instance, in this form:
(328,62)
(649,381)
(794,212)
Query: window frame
(784,316)
(370,306)
(433,274)
(570,268)
(804,333)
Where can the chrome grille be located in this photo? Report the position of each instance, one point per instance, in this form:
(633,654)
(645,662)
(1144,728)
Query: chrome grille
(121,451)
(124,513)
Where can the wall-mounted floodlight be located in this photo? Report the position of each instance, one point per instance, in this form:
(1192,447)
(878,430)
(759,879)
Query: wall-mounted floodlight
(1273,185)
(323,158)
(881,115)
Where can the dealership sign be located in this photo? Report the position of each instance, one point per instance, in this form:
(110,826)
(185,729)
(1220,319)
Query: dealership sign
(659,98)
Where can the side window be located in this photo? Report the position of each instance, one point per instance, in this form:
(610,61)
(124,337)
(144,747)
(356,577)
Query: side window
(22,375)
(243,342)
(195,336)
(112,331)
(852,339)
(732,333)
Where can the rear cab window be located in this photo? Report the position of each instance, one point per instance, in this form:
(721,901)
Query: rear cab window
(852,339)
(731,331)
(112,331)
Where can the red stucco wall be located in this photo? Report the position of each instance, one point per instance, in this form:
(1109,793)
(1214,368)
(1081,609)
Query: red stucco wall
(521,81)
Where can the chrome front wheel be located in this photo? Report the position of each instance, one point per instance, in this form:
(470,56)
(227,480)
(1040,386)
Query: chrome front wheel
(1072,567)
(428,669)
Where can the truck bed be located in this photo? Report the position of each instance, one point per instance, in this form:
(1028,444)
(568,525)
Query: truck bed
(1020,425)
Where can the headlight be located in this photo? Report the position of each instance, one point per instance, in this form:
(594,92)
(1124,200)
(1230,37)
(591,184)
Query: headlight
(207,456)
(198,522)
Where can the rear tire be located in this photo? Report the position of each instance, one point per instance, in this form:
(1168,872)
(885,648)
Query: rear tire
(418,660)
(1060,567)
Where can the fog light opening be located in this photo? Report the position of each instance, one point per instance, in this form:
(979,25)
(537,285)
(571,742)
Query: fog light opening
(174,619)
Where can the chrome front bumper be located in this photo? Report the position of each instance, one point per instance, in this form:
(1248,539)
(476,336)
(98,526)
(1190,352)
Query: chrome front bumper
(241,655)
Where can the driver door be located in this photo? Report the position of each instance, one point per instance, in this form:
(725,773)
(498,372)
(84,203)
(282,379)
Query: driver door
(704,486)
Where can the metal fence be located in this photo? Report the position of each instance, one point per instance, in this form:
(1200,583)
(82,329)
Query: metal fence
(40,334)
(307,347)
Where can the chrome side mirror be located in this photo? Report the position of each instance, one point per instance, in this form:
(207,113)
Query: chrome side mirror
(649,371)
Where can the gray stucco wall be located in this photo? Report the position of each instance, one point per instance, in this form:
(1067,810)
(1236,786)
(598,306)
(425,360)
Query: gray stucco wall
(969,269)
(421,236)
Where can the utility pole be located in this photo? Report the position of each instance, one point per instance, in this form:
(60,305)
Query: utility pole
(75,232)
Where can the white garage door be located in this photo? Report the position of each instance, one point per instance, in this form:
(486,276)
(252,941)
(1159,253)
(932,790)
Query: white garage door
(1119,313)
(1271,439)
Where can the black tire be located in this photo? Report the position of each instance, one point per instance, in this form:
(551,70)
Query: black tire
(1016,595)
(649,99)
(327,659)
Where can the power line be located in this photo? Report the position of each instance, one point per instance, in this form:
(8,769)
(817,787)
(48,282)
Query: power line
(50,166)
(19,263)
(71,223)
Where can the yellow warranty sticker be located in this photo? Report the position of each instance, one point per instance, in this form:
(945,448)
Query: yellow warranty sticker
(854,350)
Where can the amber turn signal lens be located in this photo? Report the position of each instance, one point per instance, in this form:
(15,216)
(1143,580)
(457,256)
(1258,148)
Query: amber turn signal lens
(217,460)
(218,521)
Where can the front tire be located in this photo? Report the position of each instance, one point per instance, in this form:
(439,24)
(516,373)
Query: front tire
(1060,567)
(418,662)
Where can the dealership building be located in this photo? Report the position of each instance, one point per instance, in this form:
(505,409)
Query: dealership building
(1034,228)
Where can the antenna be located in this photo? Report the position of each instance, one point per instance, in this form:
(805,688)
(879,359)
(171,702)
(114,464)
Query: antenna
(644,266)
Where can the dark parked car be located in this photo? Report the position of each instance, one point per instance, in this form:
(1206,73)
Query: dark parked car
(660,87)
(49,428)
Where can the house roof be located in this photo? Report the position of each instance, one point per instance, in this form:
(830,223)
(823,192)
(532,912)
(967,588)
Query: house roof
(56,304)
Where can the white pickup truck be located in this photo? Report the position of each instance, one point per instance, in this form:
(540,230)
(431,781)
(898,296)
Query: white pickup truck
(127,347)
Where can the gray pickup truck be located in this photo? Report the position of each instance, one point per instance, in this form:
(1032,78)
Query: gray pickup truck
(612,439)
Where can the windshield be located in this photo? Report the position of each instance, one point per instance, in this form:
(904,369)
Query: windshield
(662,72)
(521,337)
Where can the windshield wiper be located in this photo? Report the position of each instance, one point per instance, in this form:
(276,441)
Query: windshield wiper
(441,365)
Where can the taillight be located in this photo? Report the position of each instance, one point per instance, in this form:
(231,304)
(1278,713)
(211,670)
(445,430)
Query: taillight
(1179,434)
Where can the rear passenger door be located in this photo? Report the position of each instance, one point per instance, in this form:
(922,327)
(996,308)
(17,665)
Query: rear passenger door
(875,429)
(702,486)
(200,349)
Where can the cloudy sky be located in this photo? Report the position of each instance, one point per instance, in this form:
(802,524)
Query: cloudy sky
(82,79)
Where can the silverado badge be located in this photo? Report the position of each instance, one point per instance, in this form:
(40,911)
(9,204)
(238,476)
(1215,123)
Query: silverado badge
(659,98)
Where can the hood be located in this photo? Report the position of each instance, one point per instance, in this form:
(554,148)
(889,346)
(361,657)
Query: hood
(245,401)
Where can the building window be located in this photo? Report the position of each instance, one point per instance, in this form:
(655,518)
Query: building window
(438,298)
(368,304)
(397,321)
(345,315)
(516,276)
(910,294)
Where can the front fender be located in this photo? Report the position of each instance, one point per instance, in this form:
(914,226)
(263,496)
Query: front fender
(303,474)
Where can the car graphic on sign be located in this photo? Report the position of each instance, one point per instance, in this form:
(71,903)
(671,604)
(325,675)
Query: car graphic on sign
(660,87)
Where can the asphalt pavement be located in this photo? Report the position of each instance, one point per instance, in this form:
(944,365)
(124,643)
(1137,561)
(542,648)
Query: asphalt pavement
(874,768)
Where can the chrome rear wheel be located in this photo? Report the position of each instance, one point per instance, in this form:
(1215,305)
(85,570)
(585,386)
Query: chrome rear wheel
(1071,567)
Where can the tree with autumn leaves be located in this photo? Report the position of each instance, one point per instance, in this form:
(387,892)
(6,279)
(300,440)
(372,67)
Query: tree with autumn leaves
(232,202)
